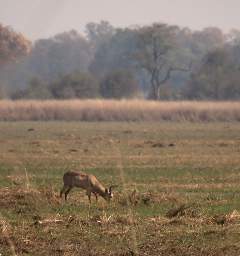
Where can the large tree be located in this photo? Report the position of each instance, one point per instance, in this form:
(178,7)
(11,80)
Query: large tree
(50,59)
(99,33)
(114,53)
(217,78)
(59,55)
(155,55)
(12,45)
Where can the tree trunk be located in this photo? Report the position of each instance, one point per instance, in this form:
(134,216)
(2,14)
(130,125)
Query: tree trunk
(158,93)
(155,86)
(154,92)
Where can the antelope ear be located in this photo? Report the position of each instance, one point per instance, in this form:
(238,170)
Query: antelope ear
(111,187)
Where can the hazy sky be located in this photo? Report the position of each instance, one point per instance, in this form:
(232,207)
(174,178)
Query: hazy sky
(43,18)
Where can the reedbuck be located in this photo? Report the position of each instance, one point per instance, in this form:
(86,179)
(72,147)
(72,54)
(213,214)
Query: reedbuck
(86,181)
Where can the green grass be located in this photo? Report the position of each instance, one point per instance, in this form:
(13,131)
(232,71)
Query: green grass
(166,164)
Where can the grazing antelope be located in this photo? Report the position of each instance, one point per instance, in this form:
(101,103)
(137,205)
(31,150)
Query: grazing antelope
(86,181)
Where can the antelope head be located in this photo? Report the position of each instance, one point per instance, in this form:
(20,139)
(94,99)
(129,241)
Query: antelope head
(109,193)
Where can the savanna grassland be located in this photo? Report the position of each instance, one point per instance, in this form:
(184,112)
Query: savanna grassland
(119,110)
(178,188)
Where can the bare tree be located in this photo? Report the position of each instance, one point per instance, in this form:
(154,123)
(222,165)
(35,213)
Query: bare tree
(155,46)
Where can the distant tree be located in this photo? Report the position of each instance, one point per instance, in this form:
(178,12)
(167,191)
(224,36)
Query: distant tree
(233,49)
(206,40)
(36,89)
(157,56)
(217,78)
(156,44)
(119,84)
(2,92)
(75,85)
(190,48)
(99,33)
(114,53)
(12,45)
(233,37)
(63,54)
(50,58)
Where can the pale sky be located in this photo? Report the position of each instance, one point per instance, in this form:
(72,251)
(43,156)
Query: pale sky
(44,18)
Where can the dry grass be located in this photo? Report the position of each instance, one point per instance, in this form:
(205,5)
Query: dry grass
(113,110)
(35,227)
(178,188)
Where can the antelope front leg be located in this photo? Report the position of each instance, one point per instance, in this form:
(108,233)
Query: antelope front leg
(89,196)
(96,195)
(67,192)
(63,190)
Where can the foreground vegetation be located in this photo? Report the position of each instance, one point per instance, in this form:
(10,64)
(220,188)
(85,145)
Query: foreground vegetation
(115,110)
(178,190)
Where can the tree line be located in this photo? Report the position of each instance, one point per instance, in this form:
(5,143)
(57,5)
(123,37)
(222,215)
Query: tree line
(158,61)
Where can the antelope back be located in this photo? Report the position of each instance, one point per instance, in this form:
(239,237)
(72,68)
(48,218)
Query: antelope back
(76,179)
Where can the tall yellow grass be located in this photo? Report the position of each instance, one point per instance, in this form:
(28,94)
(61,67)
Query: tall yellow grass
(113,110)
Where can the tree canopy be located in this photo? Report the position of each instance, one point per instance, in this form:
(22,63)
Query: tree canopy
(12,45)
(159,61)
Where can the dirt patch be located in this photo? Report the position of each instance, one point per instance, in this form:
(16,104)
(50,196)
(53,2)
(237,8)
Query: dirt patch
(158,145)
(73,150)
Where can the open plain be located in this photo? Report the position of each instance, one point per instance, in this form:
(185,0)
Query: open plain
(178,188)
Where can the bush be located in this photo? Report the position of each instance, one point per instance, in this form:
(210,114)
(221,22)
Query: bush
(119,84)
(76,85)
(37,89)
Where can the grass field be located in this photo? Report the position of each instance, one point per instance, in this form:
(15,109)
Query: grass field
(178,190)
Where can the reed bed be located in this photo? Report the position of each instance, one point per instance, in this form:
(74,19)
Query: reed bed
(118,110)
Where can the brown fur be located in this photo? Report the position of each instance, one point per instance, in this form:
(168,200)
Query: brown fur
(88,182)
